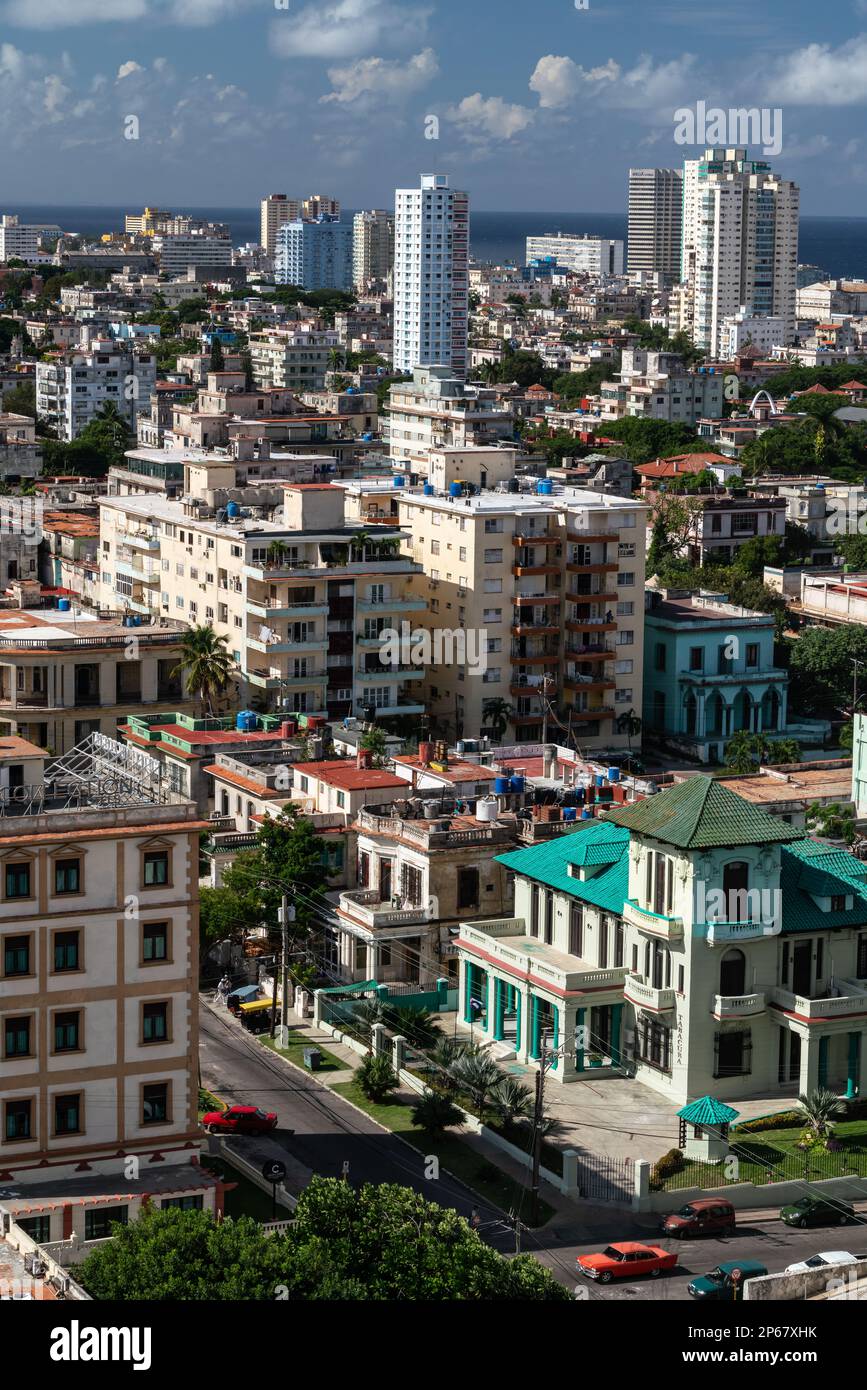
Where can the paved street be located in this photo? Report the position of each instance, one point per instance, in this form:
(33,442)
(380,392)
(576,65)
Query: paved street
(318,1128)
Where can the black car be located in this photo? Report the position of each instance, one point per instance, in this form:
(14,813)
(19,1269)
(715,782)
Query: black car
(817,1211)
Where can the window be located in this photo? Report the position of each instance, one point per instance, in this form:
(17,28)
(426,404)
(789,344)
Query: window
(468,887)
(67,1114)
(18,880)
(155,1103)
(625,609)
(38,1228)
(155,1023)
(732,1054)
(623,696)
(194,1202)
(410,885)
(696,658)
(16,955)
(653,1043)
(626,552)
(493,557)
(156,868)
(492,615)
(625,579)
(16,1037)
(624,667)
(576,929)
(67,876)
(98,1221)
(17,1124)
(625,637)
(752,657)
(66,1032)
(493,586)
(66,951)
(660,656)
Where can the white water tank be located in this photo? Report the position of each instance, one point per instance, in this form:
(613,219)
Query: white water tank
(487,809)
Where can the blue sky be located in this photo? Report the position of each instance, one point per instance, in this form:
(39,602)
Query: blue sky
(539,105)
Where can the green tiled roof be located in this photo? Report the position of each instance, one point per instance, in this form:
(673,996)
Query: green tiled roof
(701,813)
(601,843)
(813,870)
(707,1111)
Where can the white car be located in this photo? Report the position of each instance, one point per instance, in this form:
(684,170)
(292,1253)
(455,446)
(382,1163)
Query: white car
(824,1257)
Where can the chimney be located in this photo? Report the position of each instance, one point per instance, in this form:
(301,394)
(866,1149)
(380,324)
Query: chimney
(364,758)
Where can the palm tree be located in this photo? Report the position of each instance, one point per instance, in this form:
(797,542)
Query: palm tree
(434,1112)
(820,1106)
(497,712)
(366,1014)
(478,1074)
(443,1058)
(513,1100)
(205,663)
(630,725)
(418,1026)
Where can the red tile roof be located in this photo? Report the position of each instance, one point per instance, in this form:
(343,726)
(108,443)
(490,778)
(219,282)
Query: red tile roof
(345,775)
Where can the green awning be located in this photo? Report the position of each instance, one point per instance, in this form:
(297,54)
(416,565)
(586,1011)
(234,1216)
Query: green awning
(349,989)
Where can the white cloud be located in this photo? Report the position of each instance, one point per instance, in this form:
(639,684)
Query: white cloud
(382,77)
(198,13)
(557,80)
(480,116)
(347,28)
(820,75)
(62,14)
(809,148)
(127,69)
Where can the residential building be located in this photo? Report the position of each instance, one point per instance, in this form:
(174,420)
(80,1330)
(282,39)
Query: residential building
(67,673)
(317,255)
(431,268)
(657,385)
(99,968)
(319,205)
(20,240)
(75,386)
(20,450)
(372,247)
(721,525)
(177,253)
(301,599)
(834,598)
(745,329)
(691,940)
(709,673)
(655,222)
(550,589)
(297,359)
(435,411)
(740,244)
(594,255)
(275,211)
(792,790)
(69,553)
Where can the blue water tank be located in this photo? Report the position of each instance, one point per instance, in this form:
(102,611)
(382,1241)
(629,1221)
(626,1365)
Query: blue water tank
(516,784)
(570,813)
(398,480)
(352,390)
(63,605)
(544,487)
(600,779)
(586,815)
(428,489)
(233,510)
(367,436)
(455,489)
(246,721)
(501,786)
(614,774)
(580,795)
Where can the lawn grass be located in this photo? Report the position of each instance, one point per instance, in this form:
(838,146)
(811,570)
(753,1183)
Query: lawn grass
(294,1052)
(773,1156)
(209,1102)
(482,1176)
(246,1199)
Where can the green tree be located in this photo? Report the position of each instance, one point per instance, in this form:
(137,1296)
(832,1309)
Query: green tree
(373,742)
(820,1107)
(820,666)
(629,724)
(832,822)
(476,1073)
(377,1078)
(21,400)
(205,663)
(512,1100)
(745,751)
(217,361)
(435,1112)
(247,369)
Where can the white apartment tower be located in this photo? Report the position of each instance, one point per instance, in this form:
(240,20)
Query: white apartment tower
(372,247)
(431,276)
(740,243)
(276,209)
(655,221)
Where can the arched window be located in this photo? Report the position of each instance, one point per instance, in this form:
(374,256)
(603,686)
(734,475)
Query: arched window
(735,887)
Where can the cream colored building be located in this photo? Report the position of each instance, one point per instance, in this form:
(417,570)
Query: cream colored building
(99,966)
(299,594)
(435,410)
(542,586)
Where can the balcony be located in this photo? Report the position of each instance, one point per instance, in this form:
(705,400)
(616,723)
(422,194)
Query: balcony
(536,538)
(278,608)
(531,628)
(274,680)
(392,605)
(598,712)
(598,567)
(521,571)
(366,907)
(848,1001)
(645,996)
(137,569)
(391,673)
(286,644)
(590,625)
(503,941)
(576,682)
(738,1005)
(590,537)
(721,933)
(590,653)
(656,923)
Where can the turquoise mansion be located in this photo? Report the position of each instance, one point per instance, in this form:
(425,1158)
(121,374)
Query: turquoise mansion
(691,938)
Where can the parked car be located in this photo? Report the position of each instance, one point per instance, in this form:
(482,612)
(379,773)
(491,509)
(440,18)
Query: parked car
(240,1119)
(817,1211)
(706,1216)
(719,1284)
(824,1257)
(626,1260)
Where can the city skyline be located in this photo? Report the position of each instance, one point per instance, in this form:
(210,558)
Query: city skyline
(348,95)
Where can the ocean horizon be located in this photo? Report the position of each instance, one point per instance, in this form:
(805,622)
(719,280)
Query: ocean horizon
(838,245)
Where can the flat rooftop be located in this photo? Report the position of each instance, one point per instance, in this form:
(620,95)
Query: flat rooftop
(800,783)
(23,627)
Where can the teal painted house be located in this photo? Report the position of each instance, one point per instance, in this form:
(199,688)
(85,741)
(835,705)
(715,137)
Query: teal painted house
(709,672)
(690,938)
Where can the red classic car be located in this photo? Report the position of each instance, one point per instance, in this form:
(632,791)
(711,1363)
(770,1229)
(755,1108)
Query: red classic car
(626,1260)
(240,1119)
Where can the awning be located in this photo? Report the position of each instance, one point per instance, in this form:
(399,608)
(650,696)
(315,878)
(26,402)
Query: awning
(349,989)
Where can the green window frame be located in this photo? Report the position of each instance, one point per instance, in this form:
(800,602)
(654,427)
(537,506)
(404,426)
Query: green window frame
(66,951)
(16,1037)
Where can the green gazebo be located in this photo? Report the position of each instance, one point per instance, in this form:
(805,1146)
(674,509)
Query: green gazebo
(708,1120)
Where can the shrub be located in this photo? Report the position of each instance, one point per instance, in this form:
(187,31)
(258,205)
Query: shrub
(786,1119)
(435,1112)
(376,1078)
(666,1167)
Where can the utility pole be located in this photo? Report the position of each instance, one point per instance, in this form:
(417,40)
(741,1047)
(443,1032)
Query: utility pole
(287,915)
(538,1113)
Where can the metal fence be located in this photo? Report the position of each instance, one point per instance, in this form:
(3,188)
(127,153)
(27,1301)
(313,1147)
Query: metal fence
(764,1164)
